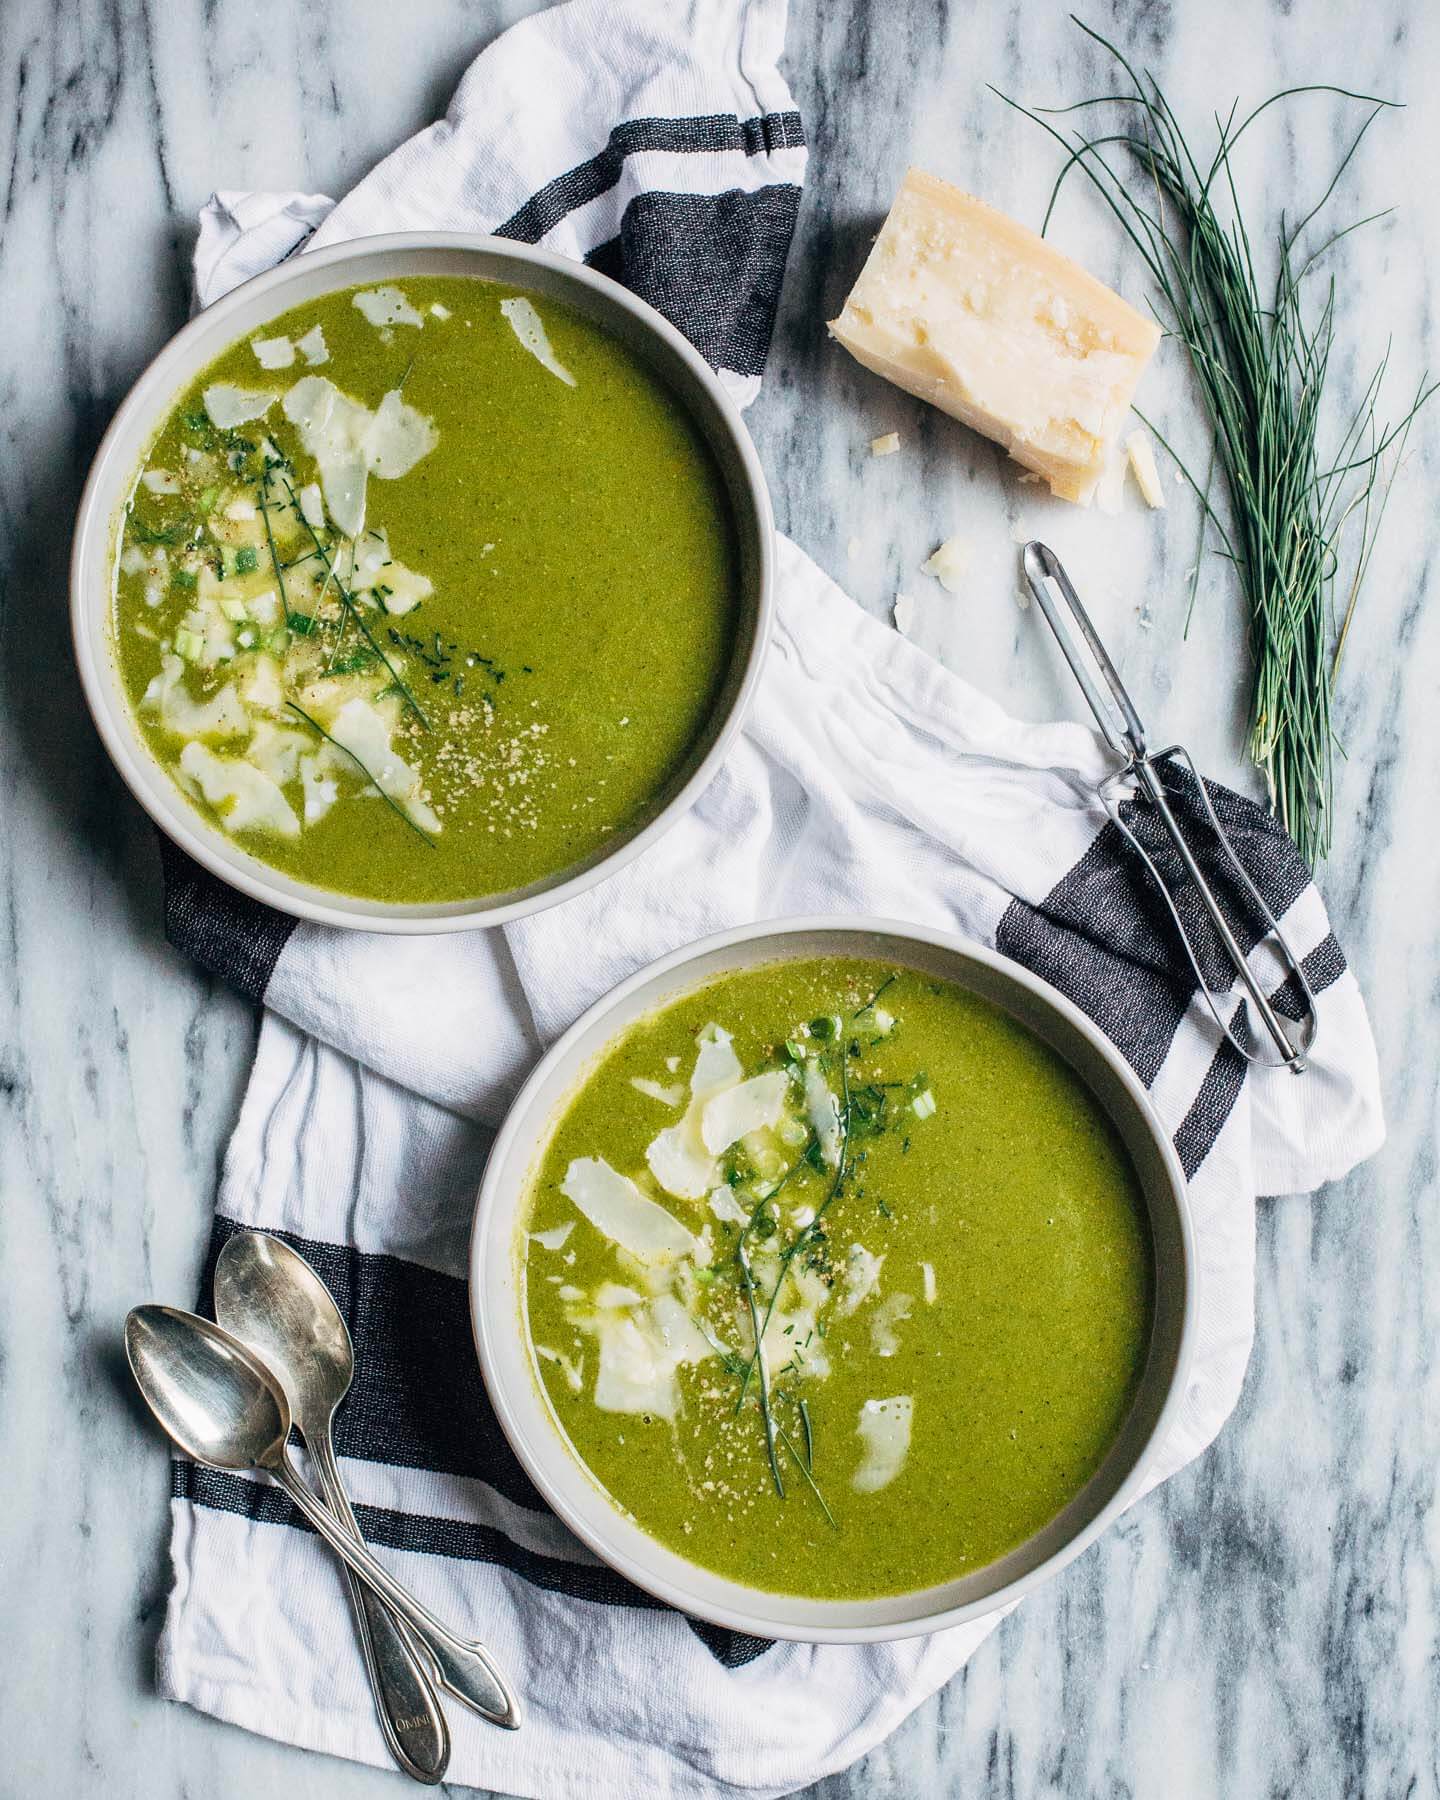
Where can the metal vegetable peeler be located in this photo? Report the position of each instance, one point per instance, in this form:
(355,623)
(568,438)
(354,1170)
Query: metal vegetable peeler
(1140,780)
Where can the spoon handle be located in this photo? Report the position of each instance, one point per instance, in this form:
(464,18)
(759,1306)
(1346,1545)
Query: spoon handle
(465,1668)
(405,1697)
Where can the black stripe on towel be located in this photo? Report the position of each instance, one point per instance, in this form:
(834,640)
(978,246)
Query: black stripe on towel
(461,1539)
(1099,936)
(1224,1078)
(1103,936)
(713,264)
(458,1539)
(587,181)
(1324,965)
(418,1402)
(1213,1103)
(226,932)
(1262,844)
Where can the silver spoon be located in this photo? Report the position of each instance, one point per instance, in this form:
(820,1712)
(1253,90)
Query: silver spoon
(221,1405)
(269,1297)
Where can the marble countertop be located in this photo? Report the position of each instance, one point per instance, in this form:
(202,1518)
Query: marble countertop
(1266,1622)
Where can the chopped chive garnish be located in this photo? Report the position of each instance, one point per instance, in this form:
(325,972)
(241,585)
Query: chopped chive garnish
(148,534)
(361,657)
(869,1005)
(800,1464)
(347,600)
(389,800)
(275,560)
(757,1356)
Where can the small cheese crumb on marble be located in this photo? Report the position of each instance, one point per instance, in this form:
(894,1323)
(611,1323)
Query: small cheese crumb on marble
(1141,453)
(886,445)
(950,563)
(1110,489)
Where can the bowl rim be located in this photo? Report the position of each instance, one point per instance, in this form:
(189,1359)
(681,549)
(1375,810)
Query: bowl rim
(741,1616)
(146,778)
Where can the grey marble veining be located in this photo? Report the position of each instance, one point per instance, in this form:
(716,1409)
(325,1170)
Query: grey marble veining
(1266,1623)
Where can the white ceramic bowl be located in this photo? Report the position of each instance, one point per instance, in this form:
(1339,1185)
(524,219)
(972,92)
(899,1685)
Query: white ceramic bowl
(252,306)
(519,1400)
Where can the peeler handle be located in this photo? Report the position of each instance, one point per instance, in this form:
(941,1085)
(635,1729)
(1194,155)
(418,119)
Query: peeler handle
(1112,706)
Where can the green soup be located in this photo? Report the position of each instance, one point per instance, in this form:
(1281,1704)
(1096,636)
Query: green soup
(917,1211)
(427,591)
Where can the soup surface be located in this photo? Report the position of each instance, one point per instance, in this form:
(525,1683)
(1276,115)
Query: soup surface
(919,1213)
(427,591)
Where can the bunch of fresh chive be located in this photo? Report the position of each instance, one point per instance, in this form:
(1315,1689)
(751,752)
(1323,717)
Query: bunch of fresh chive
(1260,354)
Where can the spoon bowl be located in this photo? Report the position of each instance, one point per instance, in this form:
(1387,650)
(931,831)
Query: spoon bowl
(213,1399)
(222,1406)
(270,1297)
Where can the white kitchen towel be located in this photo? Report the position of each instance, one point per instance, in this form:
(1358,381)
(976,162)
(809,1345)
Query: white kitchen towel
(661,143)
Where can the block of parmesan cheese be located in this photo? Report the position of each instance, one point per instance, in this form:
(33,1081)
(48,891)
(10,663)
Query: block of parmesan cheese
(981,317)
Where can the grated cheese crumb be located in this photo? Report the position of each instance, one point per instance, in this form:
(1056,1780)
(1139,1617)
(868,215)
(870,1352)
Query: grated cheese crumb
(950,563)
(1142,465)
